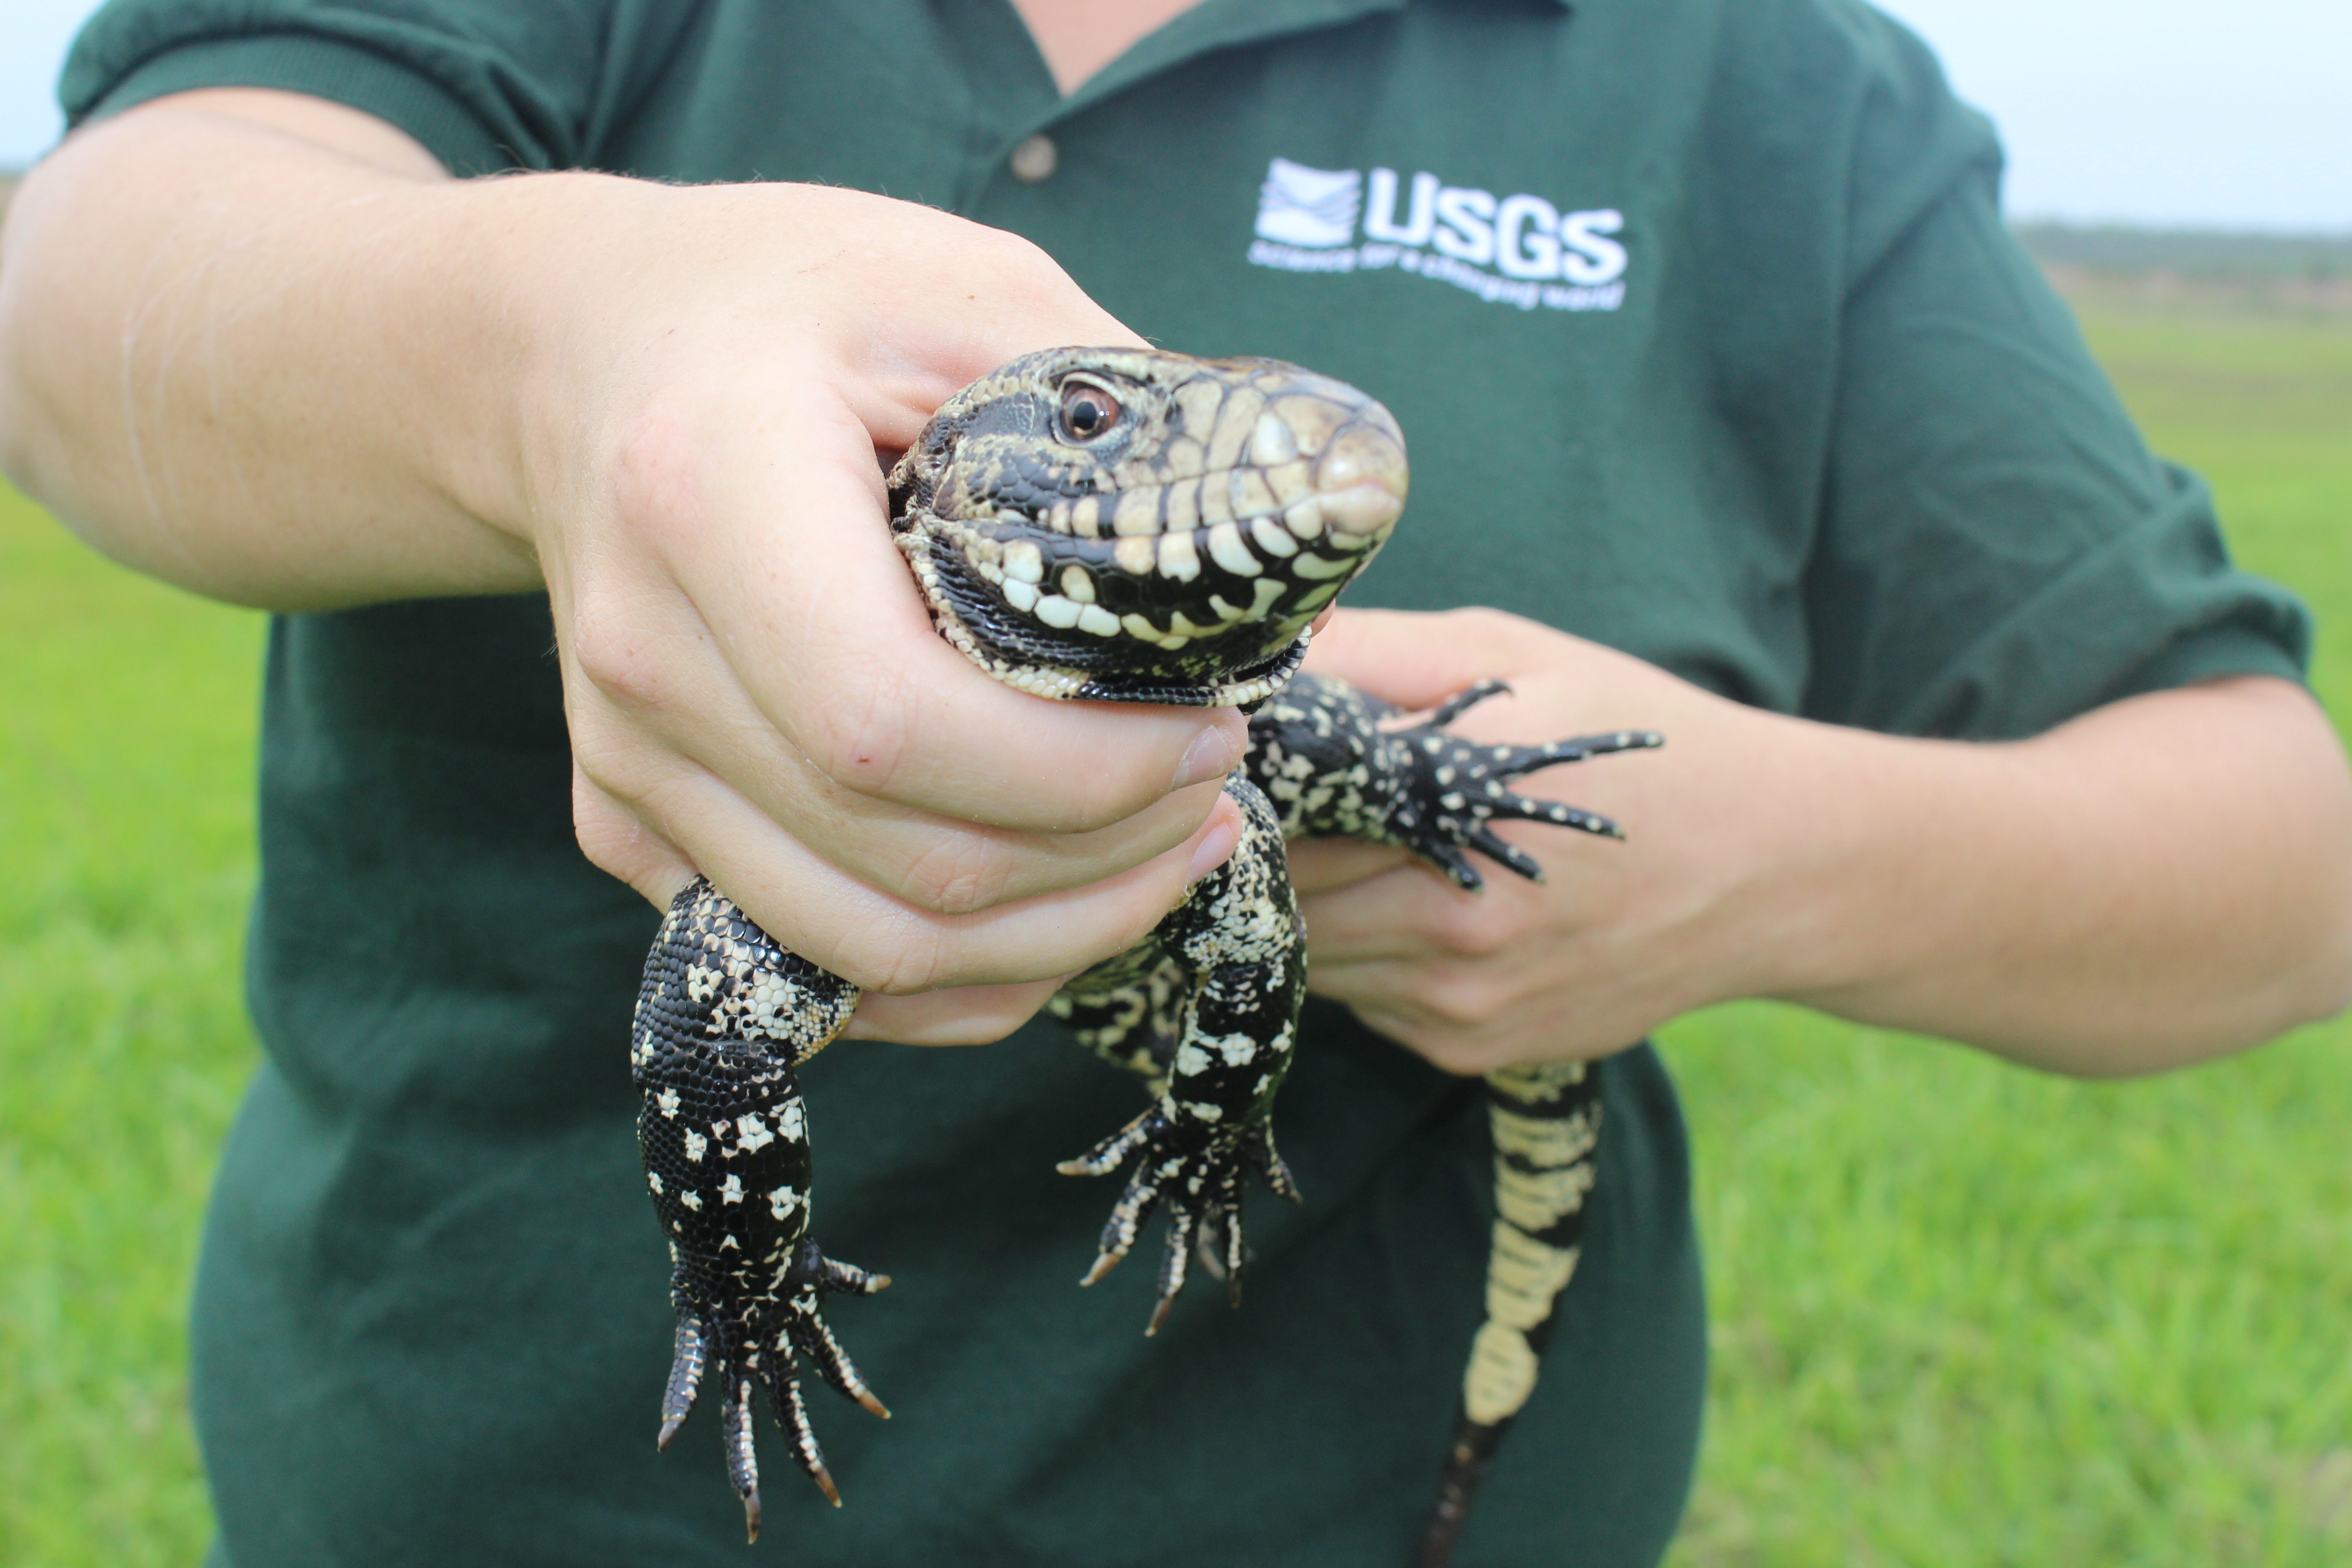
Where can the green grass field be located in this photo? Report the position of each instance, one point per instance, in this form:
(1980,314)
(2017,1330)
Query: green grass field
(1964,1315)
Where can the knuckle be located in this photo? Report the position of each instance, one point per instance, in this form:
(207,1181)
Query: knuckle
(1024,265)
(1475,927)
(611,768)
(617,842)
(612,840)
(958,875)
(655,487)
(614,651)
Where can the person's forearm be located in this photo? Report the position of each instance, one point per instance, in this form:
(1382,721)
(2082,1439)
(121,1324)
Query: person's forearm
(282,370)
(256,344)
(2161,880)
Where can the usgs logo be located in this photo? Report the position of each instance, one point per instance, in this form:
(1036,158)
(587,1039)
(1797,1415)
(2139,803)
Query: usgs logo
(1518,250)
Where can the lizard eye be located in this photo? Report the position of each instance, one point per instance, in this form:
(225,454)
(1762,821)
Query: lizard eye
(1087,412)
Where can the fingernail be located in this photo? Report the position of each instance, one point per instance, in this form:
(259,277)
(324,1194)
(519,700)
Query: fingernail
(1217,846)
(1212,755)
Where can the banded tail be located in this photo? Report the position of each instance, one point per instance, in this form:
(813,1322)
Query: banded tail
(1546,1120)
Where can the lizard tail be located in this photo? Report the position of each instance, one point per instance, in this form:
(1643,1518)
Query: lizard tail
(1546,1120)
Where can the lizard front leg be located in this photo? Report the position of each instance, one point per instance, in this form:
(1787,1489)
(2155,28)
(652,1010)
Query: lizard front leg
(724,1016)
(1323,752)
(1239,941)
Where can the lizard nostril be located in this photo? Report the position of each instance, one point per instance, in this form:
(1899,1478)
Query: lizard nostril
(1362,455)
(1361,481)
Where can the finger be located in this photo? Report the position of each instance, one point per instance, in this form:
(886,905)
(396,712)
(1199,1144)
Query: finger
(1382,918)
(1412,913)
(961,298)
(1464,1052)
(930,860)
(884,943)
(1470,1050)
(634,661)
(791,565)
(616,840)
(1324,865)
(1418,660)
(961,1016)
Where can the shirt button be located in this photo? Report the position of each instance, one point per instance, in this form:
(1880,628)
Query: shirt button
(1033,160)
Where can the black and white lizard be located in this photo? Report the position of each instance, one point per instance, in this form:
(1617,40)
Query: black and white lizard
(1130,526)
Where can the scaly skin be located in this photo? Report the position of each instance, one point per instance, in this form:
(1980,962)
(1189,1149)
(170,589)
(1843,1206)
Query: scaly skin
(1123,525)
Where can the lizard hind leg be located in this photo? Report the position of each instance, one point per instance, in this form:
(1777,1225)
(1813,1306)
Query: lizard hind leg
(1239,947)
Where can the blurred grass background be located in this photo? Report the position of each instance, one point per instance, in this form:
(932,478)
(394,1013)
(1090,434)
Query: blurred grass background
(1964,1315)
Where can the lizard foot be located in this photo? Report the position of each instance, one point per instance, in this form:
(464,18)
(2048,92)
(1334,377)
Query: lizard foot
(1198,1169)
(761,1347)
(1459,787)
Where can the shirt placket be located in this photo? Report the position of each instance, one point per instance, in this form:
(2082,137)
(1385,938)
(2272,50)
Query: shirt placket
(1026,144)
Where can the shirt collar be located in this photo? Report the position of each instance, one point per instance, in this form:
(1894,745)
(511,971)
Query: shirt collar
(1222,25)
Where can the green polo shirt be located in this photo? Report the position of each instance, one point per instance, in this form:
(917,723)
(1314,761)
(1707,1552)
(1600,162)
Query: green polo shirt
(1709,344)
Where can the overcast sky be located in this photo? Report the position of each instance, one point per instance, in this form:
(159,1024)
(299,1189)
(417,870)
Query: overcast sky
(2153,112)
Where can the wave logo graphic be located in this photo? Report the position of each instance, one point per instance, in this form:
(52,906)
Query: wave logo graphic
(1310,207)
(1520,250)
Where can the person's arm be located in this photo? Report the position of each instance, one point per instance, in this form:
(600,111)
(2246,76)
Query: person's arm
(260,345)
(2160,880)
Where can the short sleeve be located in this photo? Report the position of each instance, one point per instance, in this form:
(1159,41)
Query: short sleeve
(1998,551)
(484,85)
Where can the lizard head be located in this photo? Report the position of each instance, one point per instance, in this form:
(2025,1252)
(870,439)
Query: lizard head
(1131,525)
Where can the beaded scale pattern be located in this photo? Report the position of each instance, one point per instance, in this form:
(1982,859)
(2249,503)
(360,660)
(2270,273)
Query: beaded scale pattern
(1125,525)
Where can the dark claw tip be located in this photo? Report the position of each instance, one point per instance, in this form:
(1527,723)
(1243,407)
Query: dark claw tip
(751,1518)
(1159,1315)
(1103,1265)
(825,1484)
(670,1430)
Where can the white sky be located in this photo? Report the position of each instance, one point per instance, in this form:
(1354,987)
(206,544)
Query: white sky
(2154,111)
